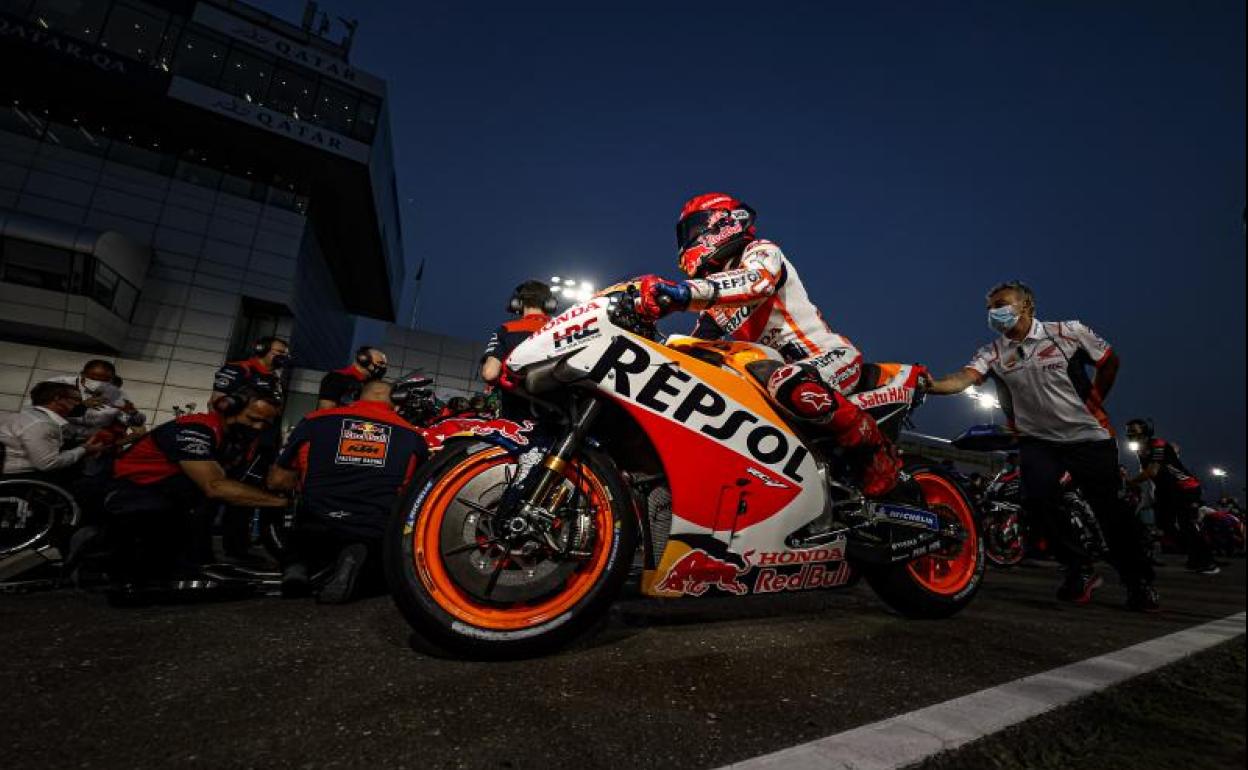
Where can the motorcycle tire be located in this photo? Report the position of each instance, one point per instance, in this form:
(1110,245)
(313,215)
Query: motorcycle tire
(439,591)
(941,584)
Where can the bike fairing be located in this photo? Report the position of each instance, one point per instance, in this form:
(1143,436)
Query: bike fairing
(714,425)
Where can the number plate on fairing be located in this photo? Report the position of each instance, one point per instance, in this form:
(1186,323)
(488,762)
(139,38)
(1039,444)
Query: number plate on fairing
(904,514)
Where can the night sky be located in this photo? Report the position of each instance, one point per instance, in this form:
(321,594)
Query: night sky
(906,156)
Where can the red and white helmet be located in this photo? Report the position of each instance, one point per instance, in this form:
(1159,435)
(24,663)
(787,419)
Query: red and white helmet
(713,229)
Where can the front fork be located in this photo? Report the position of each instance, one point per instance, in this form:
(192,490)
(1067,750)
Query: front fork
(546,493)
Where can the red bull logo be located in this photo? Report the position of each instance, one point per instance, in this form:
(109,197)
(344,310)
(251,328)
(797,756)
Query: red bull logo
(697,571)
(514,432)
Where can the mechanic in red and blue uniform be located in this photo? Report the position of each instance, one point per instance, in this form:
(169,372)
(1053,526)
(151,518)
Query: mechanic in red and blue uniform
(533,302)
(1177,495)
(162,477)
(342,386)
(263,372)
(351,462)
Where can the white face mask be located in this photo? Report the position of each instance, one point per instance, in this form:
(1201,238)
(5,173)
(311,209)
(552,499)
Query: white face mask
(95,387)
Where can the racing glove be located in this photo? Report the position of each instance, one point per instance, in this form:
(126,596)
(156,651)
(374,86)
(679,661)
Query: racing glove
(660,297)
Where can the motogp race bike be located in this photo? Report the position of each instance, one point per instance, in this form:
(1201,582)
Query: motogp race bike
(507,546)
(1008,532)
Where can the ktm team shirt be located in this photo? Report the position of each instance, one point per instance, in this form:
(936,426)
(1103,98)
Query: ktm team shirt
(354,460)
(1043,383)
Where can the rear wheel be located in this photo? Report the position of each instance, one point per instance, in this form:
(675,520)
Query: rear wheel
(939,584)
(470,587)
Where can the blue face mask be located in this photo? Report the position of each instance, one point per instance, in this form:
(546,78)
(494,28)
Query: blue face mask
(1002,319)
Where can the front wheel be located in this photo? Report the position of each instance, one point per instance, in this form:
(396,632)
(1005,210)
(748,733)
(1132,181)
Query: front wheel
(940,584)
(466,582)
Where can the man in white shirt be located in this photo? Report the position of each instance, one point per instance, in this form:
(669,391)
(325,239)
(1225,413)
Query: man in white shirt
(105,404)
(33,438)
(1040,371)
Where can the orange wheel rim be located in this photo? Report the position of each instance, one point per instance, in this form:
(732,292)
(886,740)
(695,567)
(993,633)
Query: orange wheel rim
(431,567)
(947,572)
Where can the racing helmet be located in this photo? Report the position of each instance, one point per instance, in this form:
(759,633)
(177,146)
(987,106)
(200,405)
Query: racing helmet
(713,229)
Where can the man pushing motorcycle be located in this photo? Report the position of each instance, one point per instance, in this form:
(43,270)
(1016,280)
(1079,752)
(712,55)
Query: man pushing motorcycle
(745,288)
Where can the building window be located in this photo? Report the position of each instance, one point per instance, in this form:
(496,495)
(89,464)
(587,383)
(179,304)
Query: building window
(292,92)
(246,76)
(37,265)
(135,30)
(47,267)
(366,119)
(78,18)
(200,56)
(335,109)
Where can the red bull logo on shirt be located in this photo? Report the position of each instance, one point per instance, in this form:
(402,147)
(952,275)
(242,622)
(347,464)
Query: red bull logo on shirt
(362,442)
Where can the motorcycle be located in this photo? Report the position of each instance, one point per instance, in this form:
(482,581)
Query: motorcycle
(514,545)
(1009,534)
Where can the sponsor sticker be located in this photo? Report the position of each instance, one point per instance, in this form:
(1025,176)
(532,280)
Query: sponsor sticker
(910,515)
(362,442)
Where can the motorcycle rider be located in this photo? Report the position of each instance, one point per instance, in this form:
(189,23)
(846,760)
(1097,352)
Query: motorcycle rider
(745,288)
(1040,370)
(1177,495)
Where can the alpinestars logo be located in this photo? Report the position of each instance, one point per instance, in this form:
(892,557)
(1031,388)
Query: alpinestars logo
(816,399)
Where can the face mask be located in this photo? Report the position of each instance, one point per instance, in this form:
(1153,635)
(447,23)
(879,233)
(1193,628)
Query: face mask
(78,410)
(376,371)
(280,361)
(1002,319)
(95,387)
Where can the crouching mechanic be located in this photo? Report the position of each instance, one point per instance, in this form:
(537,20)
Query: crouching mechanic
(351,462)
(747,289)
(160,478)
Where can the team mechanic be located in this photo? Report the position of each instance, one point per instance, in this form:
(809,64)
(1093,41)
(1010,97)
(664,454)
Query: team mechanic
(1177,495)
(263,372)
(351,461)
(1039,368)
(160,478)
(534,303)
(747,289)
(342,386)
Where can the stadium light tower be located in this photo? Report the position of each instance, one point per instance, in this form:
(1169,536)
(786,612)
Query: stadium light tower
(985,401)
(1220,474)
(569,290)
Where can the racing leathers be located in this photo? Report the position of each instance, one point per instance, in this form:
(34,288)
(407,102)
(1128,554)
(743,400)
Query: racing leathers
(760,299)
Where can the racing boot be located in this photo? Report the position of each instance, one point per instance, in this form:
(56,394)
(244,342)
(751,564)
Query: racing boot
(857,431)
(800,390)
(1080,581)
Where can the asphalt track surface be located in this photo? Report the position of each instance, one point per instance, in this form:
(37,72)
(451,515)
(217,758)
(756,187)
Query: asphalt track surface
(695,683)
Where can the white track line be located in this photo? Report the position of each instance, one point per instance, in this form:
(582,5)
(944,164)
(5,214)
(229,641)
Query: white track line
(909,738)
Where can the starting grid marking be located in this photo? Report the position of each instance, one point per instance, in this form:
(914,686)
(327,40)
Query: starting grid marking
(909,738)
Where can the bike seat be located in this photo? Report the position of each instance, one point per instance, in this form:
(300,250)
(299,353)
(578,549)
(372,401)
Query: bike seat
(762,370)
